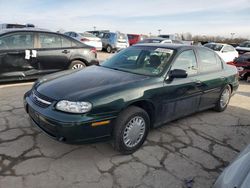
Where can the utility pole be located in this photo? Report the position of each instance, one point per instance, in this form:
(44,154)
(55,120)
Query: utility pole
(159,30)
(94,28)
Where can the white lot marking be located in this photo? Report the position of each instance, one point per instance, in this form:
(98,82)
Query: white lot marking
(16,85)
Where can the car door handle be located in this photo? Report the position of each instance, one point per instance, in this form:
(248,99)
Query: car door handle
(222,78)
(65,51)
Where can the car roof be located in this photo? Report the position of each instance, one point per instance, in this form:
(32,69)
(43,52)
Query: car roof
(13,30)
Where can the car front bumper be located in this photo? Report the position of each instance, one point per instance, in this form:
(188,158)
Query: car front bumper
(66,127)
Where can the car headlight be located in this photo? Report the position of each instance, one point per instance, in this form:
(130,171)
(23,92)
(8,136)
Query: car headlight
(74,107)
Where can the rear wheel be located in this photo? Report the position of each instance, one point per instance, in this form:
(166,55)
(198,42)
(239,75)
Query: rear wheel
(131,129)
(224,99)
(109,49)
(77,65)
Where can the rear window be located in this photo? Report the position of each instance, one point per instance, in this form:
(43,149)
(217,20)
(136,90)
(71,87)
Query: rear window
(215,47)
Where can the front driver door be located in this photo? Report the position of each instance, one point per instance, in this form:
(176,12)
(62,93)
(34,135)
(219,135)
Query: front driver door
(15,55)
(181,96)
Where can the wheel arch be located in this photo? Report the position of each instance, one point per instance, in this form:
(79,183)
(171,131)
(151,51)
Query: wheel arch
(148,106)
(79,59)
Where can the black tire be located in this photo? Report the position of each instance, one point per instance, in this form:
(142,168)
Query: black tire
(120,126)
(109,49)
(77,64)
(219,107)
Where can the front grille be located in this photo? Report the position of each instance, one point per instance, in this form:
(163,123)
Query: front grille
(40,100)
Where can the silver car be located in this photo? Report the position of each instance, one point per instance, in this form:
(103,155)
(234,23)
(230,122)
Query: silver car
(237,174)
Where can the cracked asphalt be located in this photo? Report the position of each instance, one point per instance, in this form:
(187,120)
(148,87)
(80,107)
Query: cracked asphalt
(197,147)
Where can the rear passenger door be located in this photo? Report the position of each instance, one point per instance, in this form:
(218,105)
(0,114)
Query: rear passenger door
(53,52)
(210,77)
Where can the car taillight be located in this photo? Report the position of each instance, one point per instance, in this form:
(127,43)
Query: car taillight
(231,63)
(93,50)
(84,40)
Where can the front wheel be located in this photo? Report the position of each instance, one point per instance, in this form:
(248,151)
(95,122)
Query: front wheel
(224,99)
(130,129)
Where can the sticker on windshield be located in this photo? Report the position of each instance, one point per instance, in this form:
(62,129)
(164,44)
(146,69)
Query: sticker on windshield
(165,50)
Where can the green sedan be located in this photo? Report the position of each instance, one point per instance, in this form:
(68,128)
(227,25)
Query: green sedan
(142,87)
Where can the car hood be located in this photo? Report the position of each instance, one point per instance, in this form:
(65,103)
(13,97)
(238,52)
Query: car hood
(237,175)
(78,85)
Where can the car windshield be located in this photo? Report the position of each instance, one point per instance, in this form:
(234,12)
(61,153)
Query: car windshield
(150,61)
(215,47)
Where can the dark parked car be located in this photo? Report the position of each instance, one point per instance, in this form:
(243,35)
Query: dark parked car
(243,65)
(141,87)
(28,53)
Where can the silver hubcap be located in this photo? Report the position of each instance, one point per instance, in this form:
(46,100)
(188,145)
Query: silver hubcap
(134,131)
(225,98)
(77,66)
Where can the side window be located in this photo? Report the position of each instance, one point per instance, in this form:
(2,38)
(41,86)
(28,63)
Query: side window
(66,42)
(73,34)
(186,61)
(67,33)
(208,61)
(48,40)
(17,41)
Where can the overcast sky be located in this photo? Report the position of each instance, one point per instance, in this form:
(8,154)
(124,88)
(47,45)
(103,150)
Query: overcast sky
(203,17)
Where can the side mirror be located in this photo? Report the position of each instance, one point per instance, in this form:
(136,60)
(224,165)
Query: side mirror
(177,73)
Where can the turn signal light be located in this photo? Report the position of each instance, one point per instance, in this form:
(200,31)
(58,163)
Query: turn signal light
(100,123)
